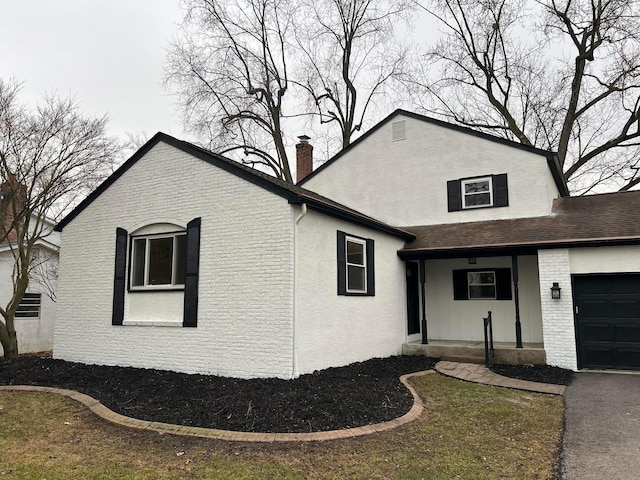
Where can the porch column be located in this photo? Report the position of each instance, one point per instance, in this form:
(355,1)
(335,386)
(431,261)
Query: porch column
(424,303)
(516,298)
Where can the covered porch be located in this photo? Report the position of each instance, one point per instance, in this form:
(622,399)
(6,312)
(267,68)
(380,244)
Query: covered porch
(450,293)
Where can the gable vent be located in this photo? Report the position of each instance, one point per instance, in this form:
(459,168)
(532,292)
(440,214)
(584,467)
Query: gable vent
(398,132)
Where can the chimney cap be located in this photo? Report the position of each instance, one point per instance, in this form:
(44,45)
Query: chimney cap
(304,139)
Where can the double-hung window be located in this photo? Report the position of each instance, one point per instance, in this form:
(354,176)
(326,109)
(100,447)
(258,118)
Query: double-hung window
(158,261)
(355,265)
(482,284)
(477,192)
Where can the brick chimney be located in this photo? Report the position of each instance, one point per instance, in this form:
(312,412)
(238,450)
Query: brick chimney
(13,196)
(304,158)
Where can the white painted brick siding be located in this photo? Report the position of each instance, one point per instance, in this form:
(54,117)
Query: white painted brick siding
(405,181)
(245,311)
(332,329)
(557,315)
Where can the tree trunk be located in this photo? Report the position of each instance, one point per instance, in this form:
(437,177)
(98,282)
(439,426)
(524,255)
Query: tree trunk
(9,341)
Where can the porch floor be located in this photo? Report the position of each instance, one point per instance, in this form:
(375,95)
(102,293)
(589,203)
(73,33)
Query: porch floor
(473,351)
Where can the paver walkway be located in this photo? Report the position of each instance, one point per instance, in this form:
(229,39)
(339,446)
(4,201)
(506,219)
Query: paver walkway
(473,372)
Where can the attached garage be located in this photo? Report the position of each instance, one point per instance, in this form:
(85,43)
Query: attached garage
(607,318)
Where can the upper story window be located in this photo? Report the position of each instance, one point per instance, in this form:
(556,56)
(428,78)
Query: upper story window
(478,192)
(355,265)
(159,261)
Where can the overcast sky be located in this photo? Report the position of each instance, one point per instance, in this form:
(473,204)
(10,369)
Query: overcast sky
(109,54)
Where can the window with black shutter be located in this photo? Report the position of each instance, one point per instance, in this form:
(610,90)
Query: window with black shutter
(355,265)
(482,284)
(477,192)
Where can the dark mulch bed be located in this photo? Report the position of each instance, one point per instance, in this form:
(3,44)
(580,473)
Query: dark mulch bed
(336,398)
(536,373)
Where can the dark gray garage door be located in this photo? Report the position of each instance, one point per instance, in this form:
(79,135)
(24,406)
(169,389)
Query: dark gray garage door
(608,321)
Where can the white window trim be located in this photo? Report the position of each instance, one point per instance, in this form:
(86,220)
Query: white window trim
(146,287)
(494,285)
(475,180)
(362,242)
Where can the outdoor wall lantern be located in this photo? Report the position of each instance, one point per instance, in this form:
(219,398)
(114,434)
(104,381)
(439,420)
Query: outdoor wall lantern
(555,291)
(472,260)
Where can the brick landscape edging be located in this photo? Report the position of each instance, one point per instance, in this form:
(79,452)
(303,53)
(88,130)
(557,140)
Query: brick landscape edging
(133,423)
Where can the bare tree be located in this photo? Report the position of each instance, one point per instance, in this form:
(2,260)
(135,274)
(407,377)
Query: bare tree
(230,71)
(557,74)
(50,158)
(243,69)
(350,56)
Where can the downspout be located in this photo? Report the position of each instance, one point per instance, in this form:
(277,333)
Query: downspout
(294,356)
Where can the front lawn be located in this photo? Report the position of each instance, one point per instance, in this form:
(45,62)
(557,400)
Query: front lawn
(466,431)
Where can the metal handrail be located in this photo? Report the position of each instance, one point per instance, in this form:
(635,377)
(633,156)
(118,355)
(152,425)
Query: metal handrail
(488,341)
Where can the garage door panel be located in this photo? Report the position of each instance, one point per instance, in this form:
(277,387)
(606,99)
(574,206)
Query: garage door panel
(595,357)
(625,309)
(630,358)
(595,309)
(608,320)
(627,333)
(596,332)
(623,285)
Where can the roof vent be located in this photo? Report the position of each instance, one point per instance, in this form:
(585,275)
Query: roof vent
(398,132)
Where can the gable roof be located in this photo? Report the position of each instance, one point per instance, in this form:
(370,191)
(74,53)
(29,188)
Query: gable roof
(552,158)
(594,220)
(292,193)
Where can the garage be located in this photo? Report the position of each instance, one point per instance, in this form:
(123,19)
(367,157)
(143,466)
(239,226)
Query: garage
(607,316)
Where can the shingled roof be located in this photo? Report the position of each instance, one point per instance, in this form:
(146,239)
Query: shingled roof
(294,194)
(595,220)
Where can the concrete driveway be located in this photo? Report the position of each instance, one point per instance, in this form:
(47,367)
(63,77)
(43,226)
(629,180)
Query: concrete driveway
(602,431)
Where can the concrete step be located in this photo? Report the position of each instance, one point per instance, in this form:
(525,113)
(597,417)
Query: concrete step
(463,359)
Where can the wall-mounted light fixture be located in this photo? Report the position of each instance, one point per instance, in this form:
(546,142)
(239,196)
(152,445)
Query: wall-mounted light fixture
(472,260)
(555,291)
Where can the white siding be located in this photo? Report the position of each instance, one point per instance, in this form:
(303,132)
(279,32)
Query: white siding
(557,315)
(34,334)
(449,319)
(245,311)
(332,329)
(404,182)
(622,259)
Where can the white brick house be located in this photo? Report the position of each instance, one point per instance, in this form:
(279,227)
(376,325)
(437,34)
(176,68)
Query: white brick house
(187,261)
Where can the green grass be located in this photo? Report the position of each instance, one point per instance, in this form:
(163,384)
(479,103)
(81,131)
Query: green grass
(467,431)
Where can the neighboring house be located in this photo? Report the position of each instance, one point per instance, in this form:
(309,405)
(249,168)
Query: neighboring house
(187,261)
(35,317)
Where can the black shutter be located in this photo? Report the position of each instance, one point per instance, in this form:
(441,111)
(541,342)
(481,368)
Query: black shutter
(342,264)
(119,277)
(503,283)
(500,190)
(190,316)
(454,196)
(371,275)
(460,287)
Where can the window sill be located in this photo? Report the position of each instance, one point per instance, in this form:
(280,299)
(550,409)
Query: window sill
(156,290)
(152,323)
